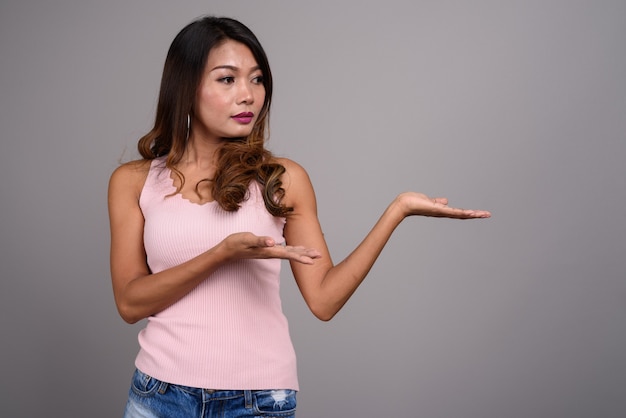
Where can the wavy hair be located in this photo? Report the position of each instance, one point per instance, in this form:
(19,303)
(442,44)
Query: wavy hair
(239,160)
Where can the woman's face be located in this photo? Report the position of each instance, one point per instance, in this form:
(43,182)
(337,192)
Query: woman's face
(230,95)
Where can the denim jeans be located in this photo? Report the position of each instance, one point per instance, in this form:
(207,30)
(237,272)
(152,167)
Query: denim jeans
(151,398)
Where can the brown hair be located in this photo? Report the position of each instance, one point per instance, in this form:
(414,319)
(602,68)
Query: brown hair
(240,160)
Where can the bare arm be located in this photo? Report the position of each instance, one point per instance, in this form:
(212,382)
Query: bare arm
(139,293)
(327,287)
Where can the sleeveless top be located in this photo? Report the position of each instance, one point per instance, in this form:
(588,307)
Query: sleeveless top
(229,332)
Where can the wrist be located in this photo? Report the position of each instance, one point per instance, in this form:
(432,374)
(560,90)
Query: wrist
(398,210)
(222,253)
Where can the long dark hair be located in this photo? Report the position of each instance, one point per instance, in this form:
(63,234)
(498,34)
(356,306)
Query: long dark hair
(240,160)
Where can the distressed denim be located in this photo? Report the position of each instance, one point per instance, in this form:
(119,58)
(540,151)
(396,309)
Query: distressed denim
(151,398)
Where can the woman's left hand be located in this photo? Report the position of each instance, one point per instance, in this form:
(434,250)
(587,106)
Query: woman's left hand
(419,204)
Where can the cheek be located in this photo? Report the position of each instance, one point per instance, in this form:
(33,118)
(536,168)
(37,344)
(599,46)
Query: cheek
(208,102)
(260,100)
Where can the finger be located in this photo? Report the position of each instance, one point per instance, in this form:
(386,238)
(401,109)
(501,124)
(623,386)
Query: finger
(308,258)
(471,214)
(308,252)
(303,255)
(265,242)
(303,260)
(441,200)
(311,253)
(478,213)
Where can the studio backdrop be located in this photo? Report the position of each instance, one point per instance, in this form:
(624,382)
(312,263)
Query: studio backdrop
(517,107)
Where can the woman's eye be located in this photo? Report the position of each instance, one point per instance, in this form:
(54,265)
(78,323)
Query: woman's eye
(227,80)
(258,79)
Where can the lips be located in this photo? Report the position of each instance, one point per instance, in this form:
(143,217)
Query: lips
(243,117)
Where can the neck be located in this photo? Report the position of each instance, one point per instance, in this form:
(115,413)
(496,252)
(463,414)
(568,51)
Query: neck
(200,152)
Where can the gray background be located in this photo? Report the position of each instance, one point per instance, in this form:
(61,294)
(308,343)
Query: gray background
(513,106)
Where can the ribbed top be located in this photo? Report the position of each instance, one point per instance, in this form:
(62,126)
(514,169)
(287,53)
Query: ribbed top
(229,332)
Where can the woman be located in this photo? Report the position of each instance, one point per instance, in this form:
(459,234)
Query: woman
(198,229)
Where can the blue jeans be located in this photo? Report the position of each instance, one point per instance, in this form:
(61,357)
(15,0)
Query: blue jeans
(151,398)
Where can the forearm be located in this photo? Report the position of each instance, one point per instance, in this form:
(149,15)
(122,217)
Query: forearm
(341,280)
(327,287)
(148,294)
(145,294)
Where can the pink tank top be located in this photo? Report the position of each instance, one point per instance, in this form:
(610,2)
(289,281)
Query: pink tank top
(229,332)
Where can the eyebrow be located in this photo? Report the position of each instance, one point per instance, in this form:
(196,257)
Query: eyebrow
(233,68)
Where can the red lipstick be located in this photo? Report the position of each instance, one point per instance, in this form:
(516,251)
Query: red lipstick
(244,117)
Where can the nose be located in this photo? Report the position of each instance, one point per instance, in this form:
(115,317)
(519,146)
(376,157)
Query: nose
(245,94)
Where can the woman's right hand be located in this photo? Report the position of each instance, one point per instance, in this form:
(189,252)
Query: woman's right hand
(243,245)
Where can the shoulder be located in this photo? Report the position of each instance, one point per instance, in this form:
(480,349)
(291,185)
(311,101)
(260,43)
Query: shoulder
(129,176)
(296,183)
(293,171)
(136,168)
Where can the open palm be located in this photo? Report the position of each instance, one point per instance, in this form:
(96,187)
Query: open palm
(422,205)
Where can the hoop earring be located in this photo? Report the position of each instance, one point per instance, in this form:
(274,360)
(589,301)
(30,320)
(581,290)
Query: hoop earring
(188,127)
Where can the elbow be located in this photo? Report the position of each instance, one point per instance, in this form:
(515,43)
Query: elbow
(130,309)
(130,320)
(323,312)
(128,314)
(324,317)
